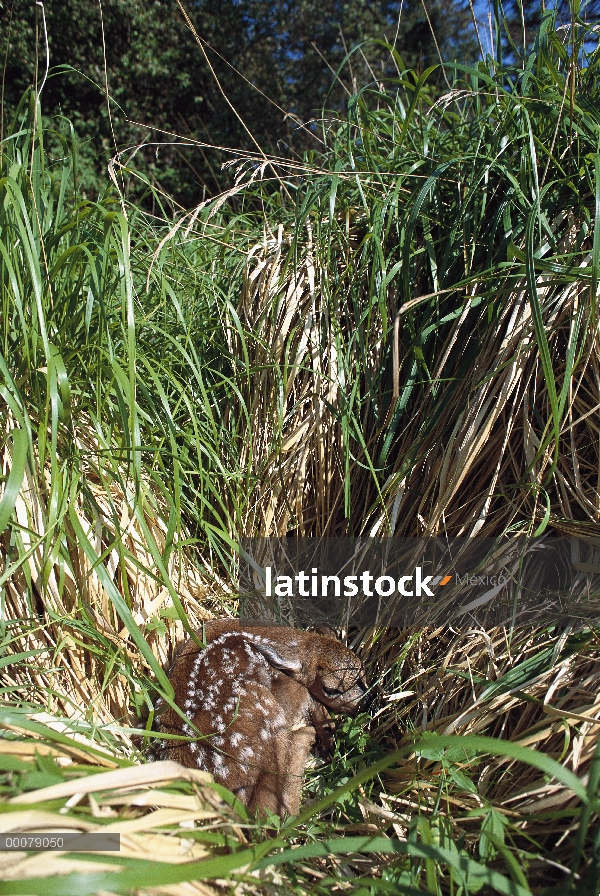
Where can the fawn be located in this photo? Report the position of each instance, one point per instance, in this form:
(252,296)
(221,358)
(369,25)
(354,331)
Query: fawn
(258,695)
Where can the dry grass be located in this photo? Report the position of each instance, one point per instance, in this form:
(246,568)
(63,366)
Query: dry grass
(467,460)
(141,804)
(533,688)
(58,613)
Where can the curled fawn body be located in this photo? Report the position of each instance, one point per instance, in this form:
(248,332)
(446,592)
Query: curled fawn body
(259,696)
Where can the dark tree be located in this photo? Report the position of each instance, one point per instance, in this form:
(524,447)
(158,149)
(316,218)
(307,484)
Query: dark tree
(161,80)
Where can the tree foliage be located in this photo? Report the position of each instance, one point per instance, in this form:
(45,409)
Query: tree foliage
(258,69)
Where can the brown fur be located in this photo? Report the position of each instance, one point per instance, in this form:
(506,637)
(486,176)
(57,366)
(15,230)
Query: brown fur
(259,697)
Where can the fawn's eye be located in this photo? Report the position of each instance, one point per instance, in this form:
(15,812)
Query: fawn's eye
(332,692)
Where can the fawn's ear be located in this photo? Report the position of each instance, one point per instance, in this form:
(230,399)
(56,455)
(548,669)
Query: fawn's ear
(279,654)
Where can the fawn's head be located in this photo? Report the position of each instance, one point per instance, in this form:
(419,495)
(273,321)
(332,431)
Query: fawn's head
(331,672)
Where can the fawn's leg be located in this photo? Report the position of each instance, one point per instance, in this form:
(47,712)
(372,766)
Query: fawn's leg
(279,786)
(324,728)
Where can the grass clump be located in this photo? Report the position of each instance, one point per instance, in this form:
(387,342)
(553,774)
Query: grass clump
(97,544)
(396,338)
(438,284)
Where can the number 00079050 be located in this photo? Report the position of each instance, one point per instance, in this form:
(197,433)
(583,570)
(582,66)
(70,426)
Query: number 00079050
(22,842)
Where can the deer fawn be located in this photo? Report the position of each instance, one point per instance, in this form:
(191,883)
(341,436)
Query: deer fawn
(256,700)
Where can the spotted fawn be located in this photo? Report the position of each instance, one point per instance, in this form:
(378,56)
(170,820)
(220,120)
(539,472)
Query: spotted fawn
(256,700)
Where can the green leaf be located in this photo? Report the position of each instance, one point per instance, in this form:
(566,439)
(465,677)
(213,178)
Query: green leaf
(461,780)
(15,477)
(119,603)
(492,833)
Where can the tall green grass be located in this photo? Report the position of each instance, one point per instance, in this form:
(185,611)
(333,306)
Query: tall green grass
(116,373)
